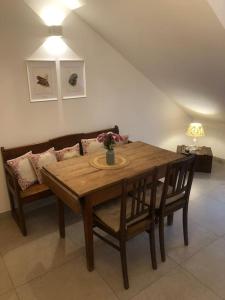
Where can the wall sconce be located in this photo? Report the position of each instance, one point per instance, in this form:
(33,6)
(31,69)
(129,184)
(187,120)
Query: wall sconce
(55,31)
(54,44)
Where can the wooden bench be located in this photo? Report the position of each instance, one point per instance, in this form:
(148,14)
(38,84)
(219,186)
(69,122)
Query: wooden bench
(19,198)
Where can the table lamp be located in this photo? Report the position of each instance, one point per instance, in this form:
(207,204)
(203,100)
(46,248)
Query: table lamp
(195,130)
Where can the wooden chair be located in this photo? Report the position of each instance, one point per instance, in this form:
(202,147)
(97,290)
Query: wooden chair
(173,195)
(131,213)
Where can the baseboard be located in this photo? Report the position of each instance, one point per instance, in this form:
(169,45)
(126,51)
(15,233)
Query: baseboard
(219,160)
(5,214)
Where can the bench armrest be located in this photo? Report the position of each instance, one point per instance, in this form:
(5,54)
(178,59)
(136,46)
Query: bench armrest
(11,181)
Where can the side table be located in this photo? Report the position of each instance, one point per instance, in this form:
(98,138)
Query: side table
(204,157)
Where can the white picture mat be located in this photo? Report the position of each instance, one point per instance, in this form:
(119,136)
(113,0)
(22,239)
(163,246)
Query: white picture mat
(67,68)
(47,70)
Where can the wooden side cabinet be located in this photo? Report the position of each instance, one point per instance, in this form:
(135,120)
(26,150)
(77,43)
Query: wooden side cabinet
(204,157)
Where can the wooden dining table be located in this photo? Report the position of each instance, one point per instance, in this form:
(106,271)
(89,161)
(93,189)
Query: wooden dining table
(79,185)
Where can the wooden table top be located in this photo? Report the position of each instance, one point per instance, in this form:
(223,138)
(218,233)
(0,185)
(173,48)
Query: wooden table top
(81,178)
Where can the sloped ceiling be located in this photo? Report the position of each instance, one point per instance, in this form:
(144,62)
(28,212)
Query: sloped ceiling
(178,44)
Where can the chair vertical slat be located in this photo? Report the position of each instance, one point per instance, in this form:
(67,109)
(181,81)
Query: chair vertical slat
(144,195)
(138,197)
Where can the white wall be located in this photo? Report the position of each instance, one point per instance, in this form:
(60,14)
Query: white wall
(215,138)
(117,92)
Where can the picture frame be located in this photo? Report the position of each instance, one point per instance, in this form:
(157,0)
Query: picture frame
(72,79)
(42,80)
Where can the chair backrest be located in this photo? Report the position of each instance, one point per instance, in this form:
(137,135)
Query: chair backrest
(178,179)
(138,199)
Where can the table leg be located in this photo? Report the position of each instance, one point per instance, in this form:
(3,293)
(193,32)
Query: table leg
(88,232)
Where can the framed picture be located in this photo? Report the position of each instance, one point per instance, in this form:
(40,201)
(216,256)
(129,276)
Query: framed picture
(73,81)
(42,80)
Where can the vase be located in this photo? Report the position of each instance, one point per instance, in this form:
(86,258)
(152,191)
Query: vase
(110,157)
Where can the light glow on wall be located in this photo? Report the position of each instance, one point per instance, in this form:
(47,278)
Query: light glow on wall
(53,15)
(55,45)
(199,105)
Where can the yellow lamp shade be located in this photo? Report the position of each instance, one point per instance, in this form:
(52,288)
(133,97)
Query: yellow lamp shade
(195,130)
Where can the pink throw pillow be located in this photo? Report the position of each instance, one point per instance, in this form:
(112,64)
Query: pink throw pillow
(69,152)
(23,170)
(41,160)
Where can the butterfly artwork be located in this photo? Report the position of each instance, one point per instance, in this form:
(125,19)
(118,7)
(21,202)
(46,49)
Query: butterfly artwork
(43,81)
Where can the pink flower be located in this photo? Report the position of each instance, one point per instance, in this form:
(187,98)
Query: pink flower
(109,139)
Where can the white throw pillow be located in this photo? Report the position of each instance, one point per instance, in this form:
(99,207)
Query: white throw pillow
(41,160)
(69,152)
(91,145)
(23,170)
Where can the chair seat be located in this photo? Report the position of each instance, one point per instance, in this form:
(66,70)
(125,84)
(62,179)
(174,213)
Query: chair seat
(168,200)
(34,190)
(109,214)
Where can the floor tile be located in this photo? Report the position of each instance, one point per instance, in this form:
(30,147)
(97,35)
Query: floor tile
(208,265)
(140,269)
(174,242)
(176,285)
(71,281)
(40,222)
(5,282)
(37,257)
(9,296)
(75,232)
(209,213)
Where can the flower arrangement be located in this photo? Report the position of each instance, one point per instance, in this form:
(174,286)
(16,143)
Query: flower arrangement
(109,139)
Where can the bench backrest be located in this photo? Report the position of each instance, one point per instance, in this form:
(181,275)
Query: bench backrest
(58,143)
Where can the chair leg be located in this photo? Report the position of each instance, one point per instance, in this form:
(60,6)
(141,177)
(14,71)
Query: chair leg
(161,238)
(61,218)
(152,247)
(185,225)
(123,256)
(170,220)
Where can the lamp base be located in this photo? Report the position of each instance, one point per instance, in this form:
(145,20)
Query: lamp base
(192,148)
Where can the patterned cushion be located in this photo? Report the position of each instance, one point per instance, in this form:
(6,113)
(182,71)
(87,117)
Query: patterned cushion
(91,145)
(23,170)
(68,152)
(41,160)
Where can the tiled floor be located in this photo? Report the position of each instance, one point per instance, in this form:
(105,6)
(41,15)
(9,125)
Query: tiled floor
(43,267)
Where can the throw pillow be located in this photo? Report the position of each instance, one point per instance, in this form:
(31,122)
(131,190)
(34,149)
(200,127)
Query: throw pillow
(41,160)
(68,152)
(23,170)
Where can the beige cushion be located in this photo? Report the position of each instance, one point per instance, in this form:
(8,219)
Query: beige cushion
(109,213)
(91,145)
(23,170)
(169,200)
(69,152)
(41,160)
